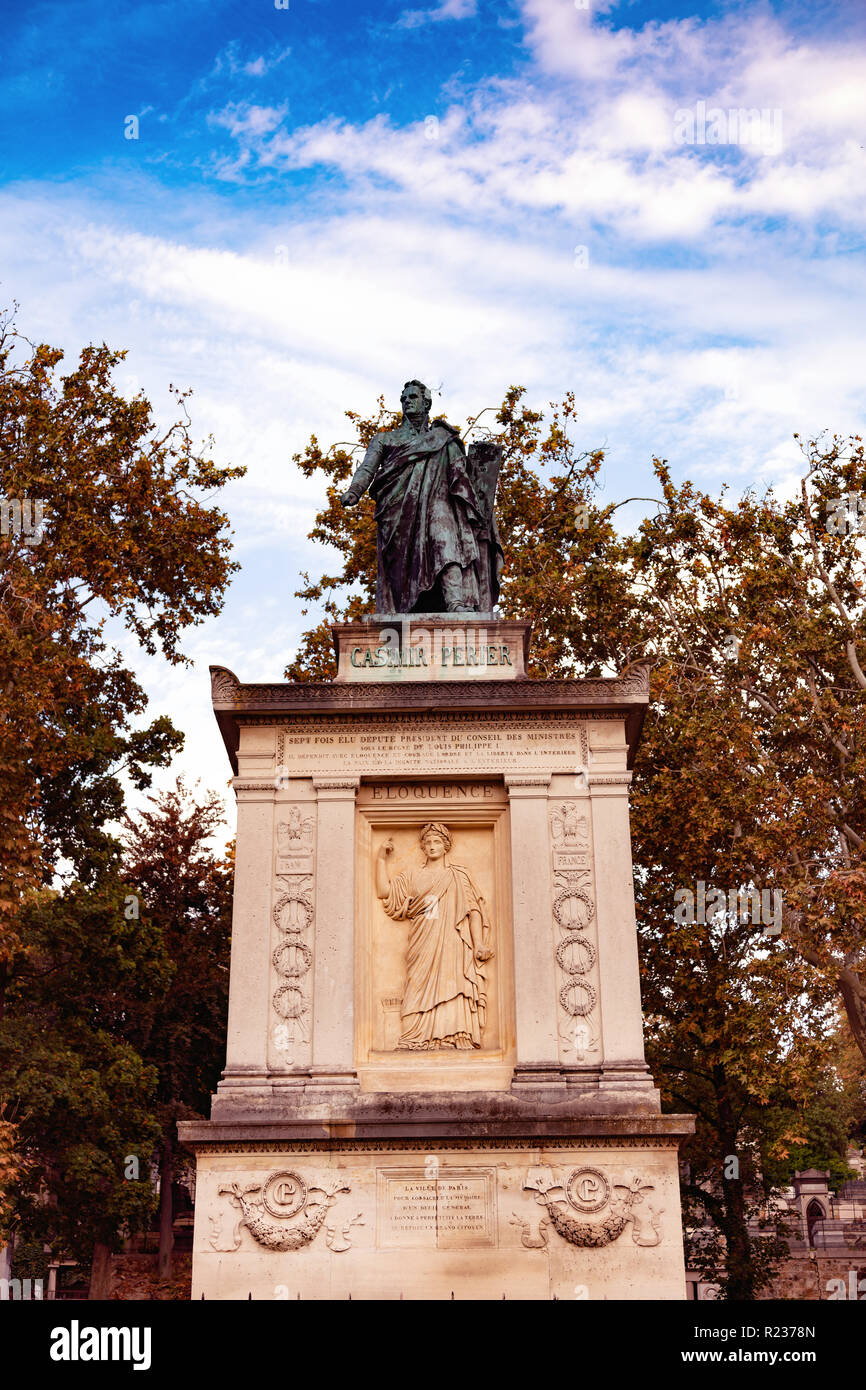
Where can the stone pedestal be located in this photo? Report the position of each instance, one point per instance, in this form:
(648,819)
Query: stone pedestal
(431,647)
(529,1158)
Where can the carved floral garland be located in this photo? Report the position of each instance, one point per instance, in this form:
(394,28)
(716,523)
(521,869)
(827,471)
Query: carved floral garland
(311,1214)
(604,1232)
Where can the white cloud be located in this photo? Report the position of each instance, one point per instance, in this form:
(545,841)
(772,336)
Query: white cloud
(246,120)
(612,155)
(719,310)
(448,9)
(566,40)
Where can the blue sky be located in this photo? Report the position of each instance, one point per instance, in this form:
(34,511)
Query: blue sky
(324,200)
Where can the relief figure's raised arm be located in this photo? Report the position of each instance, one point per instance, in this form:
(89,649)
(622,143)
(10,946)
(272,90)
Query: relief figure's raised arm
(383,886)
(394,893)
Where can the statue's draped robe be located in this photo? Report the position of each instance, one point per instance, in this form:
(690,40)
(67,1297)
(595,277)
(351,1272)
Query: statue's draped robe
(427,517)
(445,999)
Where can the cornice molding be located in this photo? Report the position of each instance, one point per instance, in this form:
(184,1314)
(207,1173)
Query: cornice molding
(235,703)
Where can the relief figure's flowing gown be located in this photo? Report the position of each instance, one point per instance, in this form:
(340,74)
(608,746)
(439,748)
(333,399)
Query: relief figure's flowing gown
(445,999)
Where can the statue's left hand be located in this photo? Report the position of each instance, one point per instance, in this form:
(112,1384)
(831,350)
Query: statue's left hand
(483,953)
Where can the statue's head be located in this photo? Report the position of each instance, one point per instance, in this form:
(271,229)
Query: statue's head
(435,839)
(416,400)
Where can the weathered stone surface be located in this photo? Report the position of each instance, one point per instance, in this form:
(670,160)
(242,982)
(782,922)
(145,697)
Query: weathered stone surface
(521,1142)
(284,1115)
(566,1218)
(236,704)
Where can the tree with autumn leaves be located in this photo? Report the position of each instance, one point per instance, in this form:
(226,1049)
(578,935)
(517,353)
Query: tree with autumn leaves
(113,1030)
(128,536)
(185,888)
(752,615)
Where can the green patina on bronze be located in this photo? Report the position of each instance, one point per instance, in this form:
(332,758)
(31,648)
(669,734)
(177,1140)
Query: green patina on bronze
(438,544)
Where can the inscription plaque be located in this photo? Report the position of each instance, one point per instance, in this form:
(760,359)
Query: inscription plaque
(423,745)
(455,1210)
(458,792)
(569,859)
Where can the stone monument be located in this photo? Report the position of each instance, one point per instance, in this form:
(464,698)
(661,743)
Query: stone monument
(435,1081)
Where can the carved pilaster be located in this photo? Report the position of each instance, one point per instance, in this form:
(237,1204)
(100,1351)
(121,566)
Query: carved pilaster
(619,985)
(293,937)
(576,949)
(334,976)
(534,984)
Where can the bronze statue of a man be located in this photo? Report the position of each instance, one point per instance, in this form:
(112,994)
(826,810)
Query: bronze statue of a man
(437,542)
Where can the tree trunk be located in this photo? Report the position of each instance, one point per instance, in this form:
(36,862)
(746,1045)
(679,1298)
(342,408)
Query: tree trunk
(100,1272)
(739,1265)
(854,998)
(166,1209)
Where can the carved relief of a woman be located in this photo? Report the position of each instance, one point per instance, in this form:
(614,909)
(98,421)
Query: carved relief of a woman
(445,999)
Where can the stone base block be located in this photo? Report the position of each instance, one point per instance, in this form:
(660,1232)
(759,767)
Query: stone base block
(570,1218)
(432,647)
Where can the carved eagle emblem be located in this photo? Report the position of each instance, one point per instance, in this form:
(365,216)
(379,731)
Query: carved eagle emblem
(570,827)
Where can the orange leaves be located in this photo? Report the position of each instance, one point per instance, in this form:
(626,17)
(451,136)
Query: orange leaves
(126,533)
(753,758)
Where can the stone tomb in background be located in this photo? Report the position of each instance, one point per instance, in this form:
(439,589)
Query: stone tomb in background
(381,1130)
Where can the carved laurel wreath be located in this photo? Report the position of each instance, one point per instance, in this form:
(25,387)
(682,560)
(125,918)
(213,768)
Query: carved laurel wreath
(289,1002)
(571,1000)
(303,905)
(284,954)
(583,908)
(575,955)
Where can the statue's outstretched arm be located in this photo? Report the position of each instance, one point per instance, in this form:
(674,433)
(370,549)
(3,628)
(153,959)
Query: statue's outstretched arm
(365,474)
(383,886)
